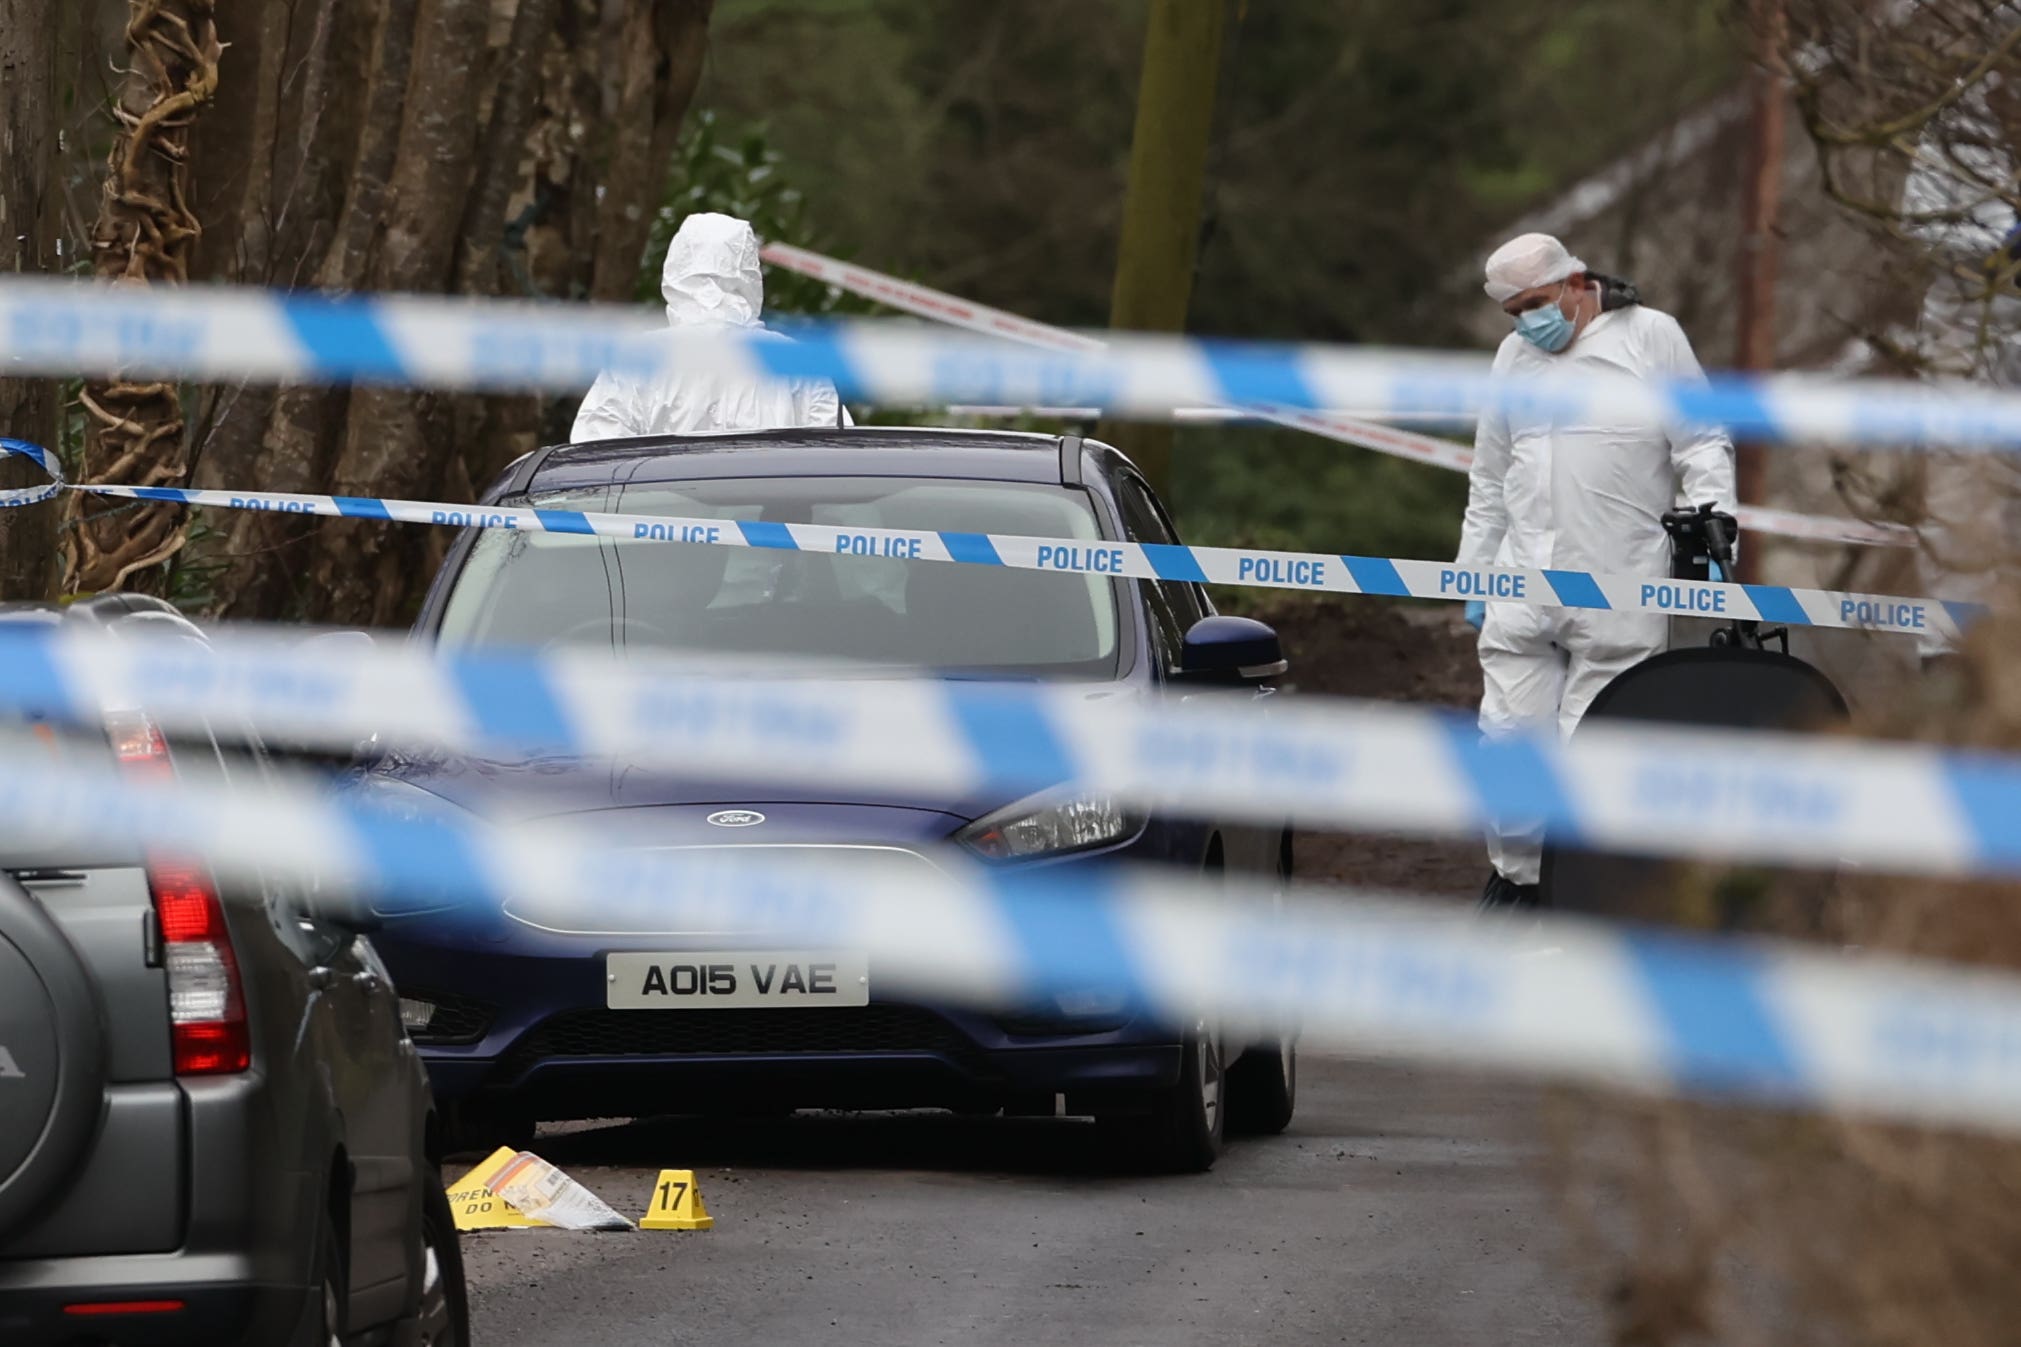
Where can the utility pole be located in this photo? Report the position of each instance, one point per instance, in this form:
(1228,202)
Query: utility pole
(1161,210)
(1760,206)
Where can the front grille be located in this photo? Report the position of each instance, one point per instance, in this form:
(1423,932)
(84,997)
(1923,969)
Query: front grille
(457,1019)
(740,1033)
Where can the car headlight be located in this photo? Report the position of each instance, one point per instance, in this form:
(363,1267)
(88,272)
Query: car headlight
(1048,826)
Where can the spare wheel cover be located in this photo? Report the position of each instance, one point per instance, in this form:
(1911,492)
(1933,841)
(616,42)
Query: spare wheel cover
(52,1058)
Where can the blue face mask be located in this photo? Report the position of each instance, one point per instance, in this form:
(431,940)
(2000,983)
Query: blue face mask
(1546,327)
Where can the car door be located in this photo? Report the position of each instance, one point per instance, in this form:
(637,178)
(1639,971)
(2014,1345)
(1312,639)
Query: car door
(1175,606)
(353,1040)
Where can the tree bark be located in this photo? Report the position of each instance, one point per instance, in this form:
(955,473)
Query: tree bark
(282,439)
(660,55)
(29,230)
(500,162)
(146,233)
(535,164)
(396,442)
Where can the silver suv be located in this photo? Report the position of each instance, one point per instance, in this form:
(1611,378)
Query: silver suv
(212,1125)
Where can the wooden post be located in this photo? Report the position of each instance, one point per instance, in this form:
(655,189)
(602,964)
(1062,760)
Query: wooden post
(1761,203)
(1161,210)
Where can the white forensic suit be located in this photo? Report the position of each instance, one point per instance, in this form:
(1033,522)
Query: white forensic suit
(711,279)
(1586,494)
(1957,200)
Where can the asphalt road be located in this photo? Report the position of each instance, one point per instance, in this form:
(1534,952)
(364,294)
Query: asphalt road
(1403,1207)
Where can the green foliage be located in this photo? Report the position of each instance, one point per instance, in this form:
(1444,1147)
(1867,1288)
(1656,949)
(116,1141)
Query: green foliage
(1366,157)
(1264,486)
(742,175)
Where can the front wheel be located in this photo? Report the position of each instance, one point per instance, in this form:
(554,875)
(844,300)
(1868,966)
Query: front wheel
(1263,1087)
(1178,1129)
(1263,1082)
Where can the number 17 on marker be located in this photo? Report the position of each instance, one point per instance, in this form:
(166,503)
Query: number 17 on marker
(676,1204)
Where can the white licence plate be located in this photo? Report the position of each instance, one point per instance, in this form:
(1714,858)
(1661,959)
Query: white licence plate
(735,980)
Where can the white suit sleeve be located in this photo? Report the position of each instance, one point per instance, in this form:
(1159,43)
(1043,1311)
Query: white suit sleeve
(820,404)
(1701,455)
(1487,518)
(604,414)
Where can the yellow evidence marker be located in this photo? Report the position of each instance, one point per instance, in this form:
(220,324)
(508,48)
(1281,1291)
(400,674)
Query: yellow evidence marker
(676,1203)
(476,1207)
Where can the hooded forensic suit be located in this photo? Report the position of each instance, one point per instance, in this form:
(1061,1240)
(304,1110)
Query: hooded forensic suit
(711,279)
(1578,493)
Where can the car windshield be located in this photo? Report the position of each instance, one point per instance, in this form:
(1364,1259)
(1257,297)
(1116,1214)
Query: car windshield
(558,589)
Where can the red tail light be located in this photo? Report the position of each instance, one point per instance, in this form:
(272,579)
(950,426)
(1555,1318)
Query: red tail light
(138,744)
(206,1007)
(206,1002)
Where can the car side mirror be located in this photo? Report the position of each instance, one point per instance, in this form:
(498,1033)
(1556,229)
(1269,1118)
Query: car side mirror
(1224,649)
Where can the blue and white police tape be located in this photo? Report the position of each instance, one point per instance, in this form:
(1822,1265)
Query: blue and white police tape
(65,328)
(31,495)
(1677,791)
(1883,1038)
(1397,577)
(1346,428)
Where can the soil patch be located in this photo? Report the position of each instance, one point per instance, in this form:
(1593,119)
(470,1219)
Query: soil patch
(1381,650)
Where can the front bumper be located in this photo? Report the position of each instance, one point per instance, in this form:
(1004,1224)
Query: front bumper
(536,1037)
(649,1085)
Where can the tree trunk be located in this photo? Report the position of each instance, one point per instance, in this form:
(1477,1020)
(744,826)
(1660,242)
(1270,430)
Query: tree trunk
(534,165)
(1161,210)
(29,229)
(491,431)
(500,161)
(586,147)
(145,234)
(660,62)
(336,166)
(396,442)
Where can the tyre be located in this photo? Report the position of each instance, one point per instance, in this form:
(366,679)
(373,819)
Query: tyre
(1263,1088)
(1178,1129)
(322,1321)
(1263,1081)
(441,1315)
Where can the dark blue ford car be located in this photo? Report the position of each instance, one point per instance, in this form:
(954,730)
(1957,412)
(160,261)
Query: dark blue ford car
(524,1023)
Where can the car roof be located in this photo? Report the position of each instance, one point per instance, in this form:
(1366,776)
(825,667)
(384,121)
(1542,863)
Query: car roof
(825,451)
(106,611)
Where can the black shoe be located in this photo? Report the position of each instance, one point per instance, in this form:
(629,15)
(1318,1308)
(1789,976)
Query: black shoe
(1504,892)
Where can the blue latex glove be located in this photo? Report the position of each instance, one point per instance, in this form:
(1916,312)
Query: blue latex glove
(1713,572)
(1477,613)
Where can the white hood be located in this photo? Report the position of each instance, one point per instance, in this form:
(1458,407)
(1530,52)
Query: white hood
(711,274)
(710,279)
